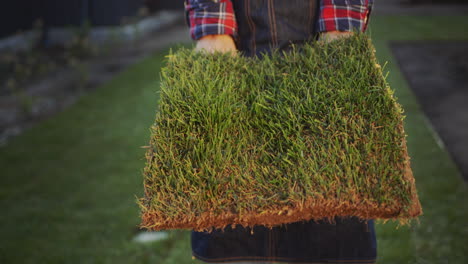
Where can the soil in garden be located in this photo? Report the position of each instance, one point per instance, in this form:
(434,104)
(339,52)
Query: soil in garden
(437,72)
(44,96)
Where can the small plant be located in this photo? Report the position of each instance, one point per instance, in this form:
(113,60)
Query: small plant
(26,101)
(83,75)
(80,46)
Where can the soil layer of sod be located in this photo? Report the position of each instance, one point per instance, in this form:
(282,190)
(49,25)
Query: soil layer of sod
(312,133)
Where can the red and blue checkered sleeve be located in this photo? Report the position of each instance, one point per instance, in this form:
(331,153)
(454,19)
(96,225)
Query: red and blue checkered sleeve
(344,15)
(210,17)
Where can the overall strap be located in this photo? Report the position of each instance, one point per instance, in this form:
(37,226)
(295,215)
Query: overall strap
(267,24)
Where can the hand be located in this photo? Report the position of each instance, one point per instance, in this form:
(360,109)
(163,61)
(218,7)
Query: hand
(214,43)
(334,35)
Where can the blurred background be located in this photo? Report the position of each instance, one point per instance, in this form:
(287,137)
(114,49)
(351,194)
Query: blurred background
(79,83)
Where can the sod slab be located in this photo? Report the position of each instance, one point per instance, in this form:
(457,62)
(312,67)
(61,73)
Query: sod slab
(311,133)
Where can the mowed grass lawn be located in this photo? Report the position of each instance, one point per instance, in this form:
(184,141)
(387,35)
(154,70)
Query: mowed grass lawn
(68,186)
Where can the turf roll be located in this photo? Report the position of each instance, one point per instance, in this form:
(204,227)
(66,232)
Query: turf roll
(310,133)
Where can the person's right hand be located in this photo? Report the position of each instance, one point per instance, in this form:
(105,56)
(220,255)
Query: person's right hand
(334,35)
(213,43)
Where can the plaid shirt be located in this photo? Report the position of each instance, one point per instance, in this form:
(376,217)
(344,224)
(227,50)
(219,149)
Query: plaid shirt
(215,17)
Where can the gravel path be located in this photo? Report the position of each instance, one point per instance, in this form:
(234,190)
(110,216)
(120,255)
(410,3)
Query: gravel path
(437,72)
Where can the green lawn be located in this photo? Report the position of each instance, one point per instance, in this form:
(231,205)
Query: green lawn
(68,186)
(442,235)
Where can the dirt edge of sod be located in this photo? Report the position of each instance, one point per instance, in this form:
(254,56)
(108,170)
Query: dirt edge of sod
(310,209)
(317,210)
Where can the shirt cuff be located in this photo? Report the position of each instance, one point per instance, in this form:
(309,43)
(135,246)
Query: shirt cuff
(210,17)
(344,15)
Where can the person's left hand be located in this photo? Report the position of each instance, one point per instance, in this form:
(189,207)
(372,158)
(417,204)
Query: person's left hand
(216,43)
(334,35)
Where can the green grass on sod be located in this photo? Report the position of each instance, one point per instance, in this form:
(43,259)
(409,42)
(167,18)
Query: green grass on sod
(67,186)
(308,134)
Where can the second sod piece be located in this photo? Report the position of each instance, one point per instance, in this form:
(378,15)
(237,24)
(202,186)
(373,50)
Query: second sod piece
(308,134)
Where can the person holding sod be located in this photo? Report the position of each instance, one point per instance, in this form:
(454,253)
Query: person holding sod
(254,28)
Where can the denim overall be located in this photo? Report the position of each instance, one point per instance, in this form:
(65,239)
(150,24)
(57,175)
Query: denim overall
(262,26)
